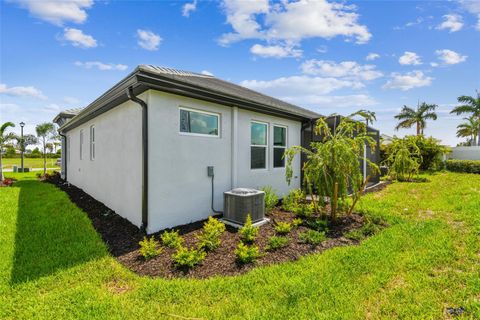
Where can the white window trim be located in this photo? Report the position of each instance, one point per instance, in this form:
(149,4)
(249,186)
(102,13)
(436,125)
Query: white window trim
(81,144)
(259,145)
(68,149)
(92,142)
(279,147)
(219,118)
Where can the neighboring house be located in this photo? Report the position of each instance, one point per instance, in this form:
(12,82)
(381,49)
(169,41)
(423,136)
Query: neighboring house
(143,147)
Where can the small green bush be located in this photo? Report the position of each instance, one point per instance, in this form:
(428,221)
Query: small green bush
(211,233)
(312,237)
(467,166)
(148,248)
(188,258)
(317,225)
(171,239)
(293,200)
(246,254)
(297,222)
(275,243)
(283,227)
(271,198)
(371,227)
(248,233)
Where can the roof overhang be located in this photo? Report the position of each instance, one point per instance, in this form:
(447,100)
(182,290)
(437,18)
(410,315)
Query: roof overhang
(141,80)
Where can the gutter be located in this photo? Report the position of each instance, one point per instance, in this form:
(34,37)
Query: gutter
(64,154)
(131,96)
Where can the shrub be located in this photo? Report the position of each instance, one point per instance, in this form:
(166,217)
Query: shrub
(210,236)
(370,227)
(297,222)
(312,237)
(171,239)
(404,158)
(275,243)
(271,198)
(148,248)
(188,258)
(246,254)
(468,166)
(283,227)
(317,225)
(293,200)
(248,232)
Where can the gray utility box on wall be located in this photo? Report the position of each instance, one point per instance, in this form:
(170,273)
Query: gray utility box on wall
(240,202)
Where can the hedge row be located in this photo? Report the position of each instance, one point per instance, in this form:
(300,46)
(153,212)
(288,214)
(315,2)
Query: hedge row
(469,166)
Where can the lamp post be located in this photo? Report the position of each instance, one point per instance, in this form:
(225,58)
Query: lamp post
(22,144)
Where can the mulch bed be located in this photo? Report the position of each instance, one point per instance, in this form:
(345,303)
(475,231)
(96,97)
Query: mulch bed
(122,239)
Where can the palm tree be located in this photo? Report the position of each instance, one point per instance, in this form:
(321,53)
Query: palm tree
(45,132)
(409,116)
(469,129)
(470,106)
(4,137)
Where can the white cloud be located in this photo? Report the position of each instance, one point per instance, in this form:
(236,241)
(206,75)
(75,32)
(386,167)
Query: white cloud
(299,86)
(473,7)
(148,40)
(320,102)
(410,58)
(408,80)
(58,12)
(22,91)
(207,73)
(449,56)
(276,51)
(372,56)
(451,22)
(101,66)
(291,21)
(434,64)
(78,38)
(71,100)
(322,49)
(189,8)
(345,69)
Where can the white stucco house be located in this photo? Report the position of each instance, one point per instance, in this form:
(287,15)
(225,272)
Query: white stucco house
(143,147)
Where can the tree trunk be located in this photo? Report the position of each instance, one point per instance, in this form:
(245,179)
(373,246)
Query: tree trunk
(44,157)
(1,166)
(478,136)
(418,128)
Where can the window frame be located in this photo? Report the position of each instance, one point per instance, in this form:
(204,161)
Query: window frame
(279,147)
(92,142)
(258,145)
(81,144)
(219,125)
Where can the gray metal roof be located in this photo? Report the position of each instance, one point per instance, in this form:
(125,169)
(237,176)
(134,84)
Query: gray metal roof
(217,85)
(189,84)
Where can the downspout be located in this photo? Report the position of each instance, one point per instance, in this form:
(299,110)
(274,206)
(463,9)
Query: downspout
(143,104)
(64,154)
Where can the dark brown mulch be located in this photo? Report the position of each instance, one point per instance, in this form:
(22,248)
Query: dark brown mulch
(122,240)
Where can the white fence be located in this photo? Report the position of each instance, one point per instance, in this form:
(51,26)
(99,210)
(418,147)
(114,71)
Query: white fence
(465,153)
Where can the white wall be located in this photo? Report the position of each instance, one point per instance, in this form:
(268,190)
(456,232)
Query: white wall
(179,188)
(115,176)
(465,153)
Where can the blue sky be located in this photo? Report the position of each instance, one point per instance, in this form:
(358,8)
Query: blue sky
(325,56)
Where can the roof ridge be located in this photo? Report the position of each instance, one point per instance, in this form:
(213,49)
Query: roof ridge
(173,71)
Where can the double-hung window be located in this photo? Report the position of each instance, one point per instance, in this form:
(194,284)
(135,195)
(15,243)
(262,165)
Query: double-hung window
(199,122)
(81,144)
(92,142)
(258,145)
(279,146)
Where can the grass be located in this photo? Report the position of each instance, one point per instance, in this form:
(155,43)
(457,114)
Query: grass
(8,163)
(54,265)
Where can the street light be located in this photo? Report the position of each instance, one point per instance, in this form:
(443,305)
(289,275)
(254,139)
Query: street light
(22,144)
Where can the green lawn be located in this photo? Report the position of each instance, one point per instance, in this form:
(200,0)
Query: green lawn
(8,163)
(54,266)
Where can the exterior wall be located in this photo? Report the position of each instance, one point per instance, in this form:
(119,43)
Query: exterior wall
(465,153)
(114,177)
(179,188)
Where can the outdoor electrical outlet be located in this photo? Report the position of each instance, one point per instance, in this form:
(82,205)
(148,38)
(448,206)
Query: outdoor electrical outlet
(210,171)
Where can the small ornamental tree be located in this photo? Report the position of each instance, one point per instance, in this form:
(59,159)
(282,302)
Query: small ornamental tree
(404,158)
(4,137)
(45,131)
(332,167)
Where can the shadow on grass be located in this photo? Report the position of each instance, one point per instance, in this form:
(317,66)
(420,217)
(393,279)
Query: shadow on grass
(52,234)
